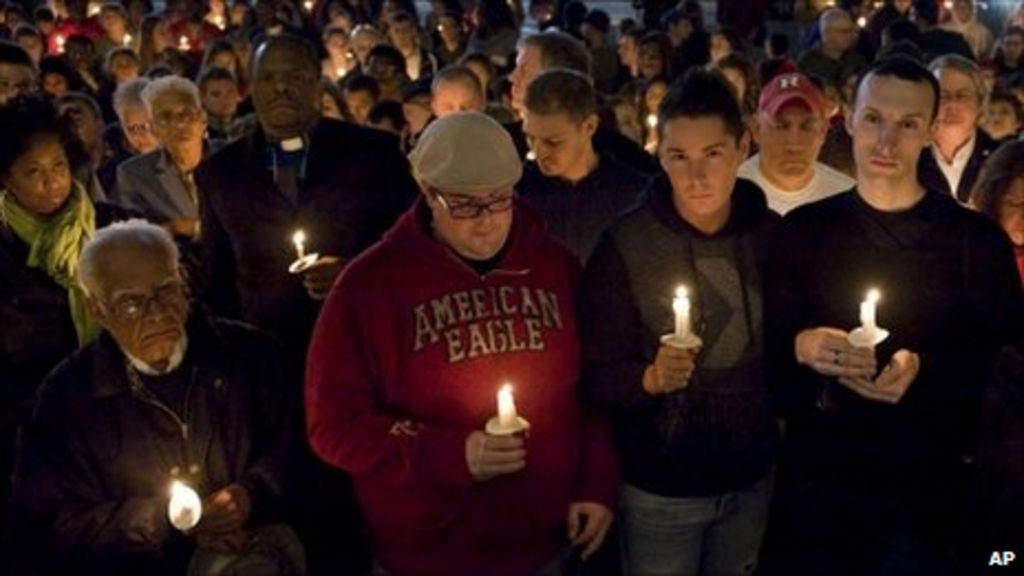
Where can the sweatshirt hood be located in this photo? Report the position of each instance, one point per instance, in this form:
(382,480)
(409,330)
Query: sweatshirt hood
(749,205)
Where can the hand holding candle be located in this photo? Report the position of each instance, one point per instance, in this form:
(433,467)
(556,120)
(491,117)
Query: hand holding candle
(185,509)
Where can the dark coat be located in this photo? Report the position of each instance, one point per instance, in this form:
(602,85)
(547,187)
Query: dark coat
(718,434)
(96,459)
(357,184)
(931,176)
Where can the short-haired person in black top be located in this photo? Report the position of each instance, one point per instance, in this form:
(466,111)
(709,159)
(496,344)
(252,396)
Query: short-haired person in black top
(695,428)
(879,439)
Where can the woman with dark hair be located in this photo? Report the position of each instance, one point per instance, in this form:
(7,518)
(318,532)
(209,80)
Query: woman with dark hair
(999,194)
(740,74)
(496,32)
(57,77)
(222,54)
(654,56)
(726,41)
(45,218)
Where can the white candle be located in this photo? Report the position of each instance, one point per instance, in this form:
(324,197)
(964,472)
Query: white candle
(340,72)
(652,121)
(183,44)
(185,509)
(681,307)
(299,238)
(60,43)
(218,21)
(868,309)
(507,416)
(862,21)
(127,41)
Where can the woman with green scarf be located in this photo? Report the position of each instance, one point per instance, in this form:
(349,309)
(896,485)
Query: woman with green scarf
(45,218)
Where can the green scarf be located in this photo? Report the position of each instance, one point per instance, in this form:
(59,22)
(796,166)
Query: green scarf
(54,247)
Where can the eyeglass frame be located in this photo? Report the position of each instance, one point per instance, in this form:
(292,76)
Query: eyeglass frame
(479,208)
(166,293)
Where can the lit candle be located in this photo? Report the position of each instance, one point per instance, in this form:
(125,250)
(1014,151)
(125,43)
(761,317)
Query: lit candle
(948,4)
(218,21)
(94,9)
(60,43)
(862,21)
(340,72)
(868,307)
(652,120)
(127,41)
(531,156)
(507,416)
(299,238)
(681,307)
(185,509)
(183,44)
(308,5)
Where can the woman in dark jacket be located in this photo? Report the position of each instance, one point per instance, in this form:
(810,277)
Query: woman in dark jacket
(45,218)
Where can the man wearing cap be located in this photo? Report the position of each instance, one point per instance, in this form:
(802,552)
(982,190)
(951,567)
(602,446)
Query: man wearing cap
(464,295)
(790,128)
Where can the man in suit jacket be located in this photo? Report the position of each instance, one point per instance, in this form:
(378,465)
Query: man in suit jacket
(342,185)
(159,185)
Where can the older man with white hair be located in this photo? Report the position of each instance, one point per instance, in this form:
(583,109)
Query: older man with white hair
(166,394)
(834,58)
(159,184)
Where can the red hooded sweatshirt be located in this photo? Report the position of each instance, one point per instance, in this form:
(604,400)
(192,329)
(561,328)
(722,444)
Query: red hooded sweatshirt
(406,360)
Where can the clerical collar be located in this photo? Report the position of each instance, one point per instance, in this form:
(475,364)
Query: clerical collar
(292,144)
(172,364)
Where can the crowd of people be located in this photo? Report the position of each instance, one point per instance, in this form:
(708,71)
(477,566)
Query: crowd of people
(341,288)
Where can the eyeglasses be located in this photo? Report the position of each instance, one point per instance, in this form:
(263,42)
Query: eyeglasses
(462,208)
(132,306)
(137,129)
(184,116)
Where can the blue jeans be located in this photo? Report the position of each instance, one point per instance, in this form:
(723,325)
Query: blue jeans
(708,536)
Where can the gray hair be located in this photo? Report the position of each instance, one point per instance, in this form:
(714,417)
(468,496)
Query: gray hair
(965,66)
(129,95)
(170,85)
(135,232)
(831,17)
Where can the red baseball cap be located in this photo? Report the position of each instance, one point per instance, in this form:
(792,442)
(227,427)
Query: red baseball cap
(788,88)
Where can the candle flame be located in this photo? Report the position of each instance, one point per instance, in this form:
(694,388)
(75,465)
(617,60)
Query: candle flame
(862,21)
(184,509)
(652,120)
(299,237)
(681,292)
(531,156)
(874,295)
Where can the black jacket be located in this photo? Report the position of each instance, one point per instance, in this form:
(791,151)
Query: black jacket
(605,140)
(718,434)
(931,176)
(577,213)
(98,456)
(356,184)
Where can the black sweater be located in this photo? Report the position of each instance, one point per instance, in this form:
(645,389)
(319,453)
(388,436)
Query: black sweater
(949,293)
(718,434)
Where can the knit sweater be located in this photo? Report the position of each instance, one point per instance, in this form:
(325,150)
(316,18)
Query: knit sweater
(717,434)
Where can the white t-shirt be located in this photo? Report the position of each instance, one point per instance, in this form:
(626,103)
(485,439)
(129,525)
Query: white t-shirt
(827,182)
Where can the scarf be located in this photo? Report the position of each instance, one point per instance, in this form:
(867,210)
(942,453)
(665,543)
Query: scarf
(54,247)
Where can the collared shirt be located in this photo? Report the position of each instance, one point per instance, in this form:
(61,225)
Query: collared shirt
(172,364)
(954,171)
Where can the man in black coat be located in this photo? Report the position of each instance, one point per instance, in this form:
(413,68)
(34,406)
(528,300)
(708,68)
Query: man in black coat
(880,432)
(166,394)
(342,185)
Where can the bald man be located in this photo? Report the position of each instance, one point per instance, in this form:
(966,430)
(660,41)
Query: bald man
(834,58)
